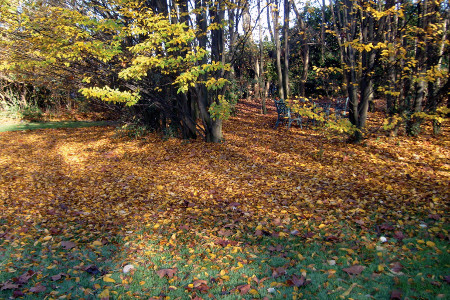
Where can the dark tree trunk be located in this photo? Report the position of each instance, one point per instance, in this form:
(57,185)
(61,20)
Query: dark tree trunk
(287,90)
(276,32)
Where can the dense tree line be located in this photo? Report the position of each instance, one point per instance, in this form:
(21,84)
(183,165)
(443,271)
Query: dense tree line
(177,62)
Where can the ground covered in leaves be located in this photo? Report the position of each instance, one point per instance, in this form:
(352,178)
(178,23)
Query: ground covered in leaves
(268,214)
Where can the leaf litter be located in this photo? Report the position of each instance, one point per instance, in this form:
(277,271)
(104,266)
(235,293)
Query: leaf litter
(264,207)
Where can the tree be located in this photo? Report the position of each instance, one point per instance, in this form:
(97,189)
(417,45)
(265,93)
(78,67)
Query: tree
(121,58)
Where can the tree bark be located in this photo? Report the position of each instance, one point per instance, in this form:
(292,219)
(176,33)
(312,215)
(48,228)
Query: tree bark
(287,90)
(276,32)
(261,62)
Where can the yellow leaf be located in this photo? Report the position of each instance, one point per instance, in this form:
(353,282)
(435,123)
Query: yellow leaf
(225,277)
(108,279)
(104,294)
(142,282)
(97,243)
(431,244)
(253,292)
(97,286)
(380,268)
(421,241)
(222,272)
(159,187)
(156,226)
(322,226)
(47,238)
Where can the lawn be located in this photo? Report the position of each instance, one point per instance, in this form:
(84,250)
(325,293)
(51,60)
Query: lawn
(14,126)
(268,214)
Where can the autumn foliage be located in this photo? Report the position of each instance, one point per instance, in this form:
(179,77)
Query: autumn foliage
(267,213)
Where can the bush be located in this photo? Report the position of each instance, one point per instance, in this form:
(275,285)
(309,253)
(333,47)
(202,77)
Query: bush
(32,113)
(132,131)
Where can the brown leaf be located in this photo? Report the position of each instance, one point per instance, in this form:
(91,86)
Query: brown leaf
(332,238)
(277,272)
(298,282)
(38,288)
(58,276)
(396,295)
(434,216)
(17,294)
(9,286)
(68,245)
(387,227)
(222,242)
(396,267)
(354,270)
(167,272)
(243,289)
(259,281)
(276,248)
(360,222)
(225,232)
(447,279)
(23,279)
(199,282)
(399,235)
(201,285)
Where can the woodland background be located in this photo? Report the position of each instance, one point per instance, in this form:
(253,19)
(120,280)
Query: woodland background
(181,66)
(188,192)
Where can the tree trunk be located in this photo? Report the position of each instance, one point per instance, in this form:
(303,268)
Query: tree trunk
(261,80)
(286,49)
(304,51)
(368,64)
(413,124)
(322,34)
(276,32)
(213,128)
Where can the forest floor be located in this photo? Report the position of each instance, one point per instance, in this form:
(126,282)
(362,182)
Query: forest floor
(268,214)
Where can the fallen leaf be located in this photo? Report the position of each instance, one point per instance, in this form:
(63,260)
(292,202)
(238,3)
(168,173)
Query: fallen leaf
(354,270)
(38,288)
(396,295)
(23,279)
(396,267)
(431,244)
(17,294)
(243,289)
(225,232)
(108,279)
(348,291)
(97,243)
(399,235)
(68,245)
(167,272)
(104,294)
(298,282)
(58,276)
(277,272)
(9,286)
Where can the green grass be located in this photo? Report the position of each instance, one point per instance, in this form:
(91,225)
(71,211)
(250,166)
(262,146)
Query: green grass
(44,125)
(225,268)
